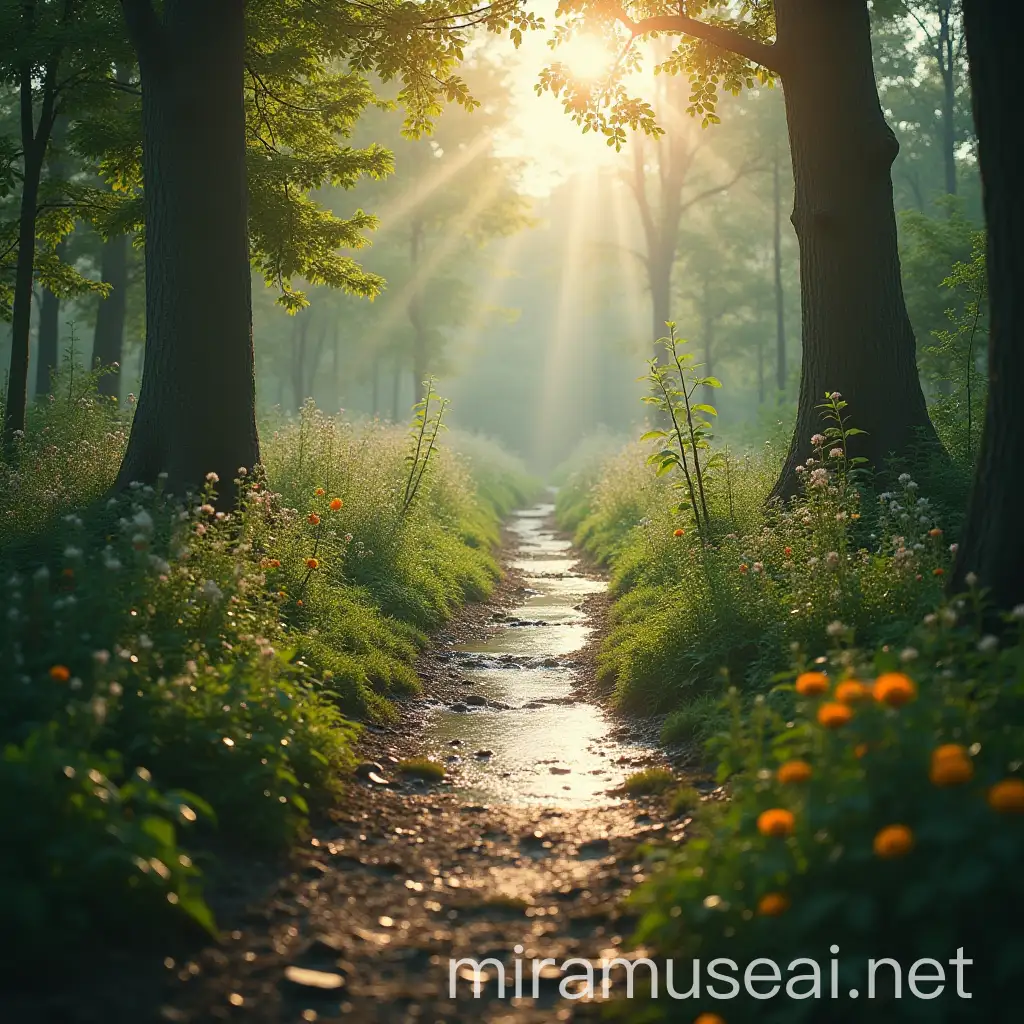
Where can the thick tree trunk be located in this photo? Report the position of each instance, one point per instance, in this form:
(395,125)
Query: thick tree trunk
(197,407)
(946,70)
(993,542)
(780,311)
(856,335)
(49,334)
(108,339)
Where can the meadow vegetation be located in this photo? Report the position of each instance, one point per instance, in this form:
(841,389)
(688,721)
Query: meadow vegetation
(174,670)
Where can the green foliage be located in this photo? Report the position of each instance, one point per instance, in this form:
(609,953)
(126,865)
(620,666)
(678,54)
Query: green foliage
(649,781)
(172,666)
(422,768)
(832,877)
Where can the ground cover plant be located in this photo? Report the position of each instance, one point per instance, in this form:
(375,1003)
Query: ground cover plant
(172,669)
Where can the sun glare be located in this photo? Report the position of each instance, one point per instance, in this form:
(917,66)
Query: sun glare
(586,57)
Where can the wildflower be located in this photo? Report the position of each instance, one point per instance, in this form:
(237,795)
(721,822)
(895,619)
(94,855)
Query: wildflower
(835,395)
(212,478)
(274,563)
(787,551)
(142,520)
(894,689)
(242,471)
(211,592)
(908,654)
(101,657)
(971,579)
(319,492)
(934,532)
(744,567)
(1007,796)
(817,440)
(904,478)
(348,538)
(951,765)
(772,904)
(314,519)
(60,673)
(116,689)
(793,771)
(988,643)
(312,563)
(954,548)
(207,508)
(1018,612)
(833,715)
(832,559)
(938,571)
(819,477)
(678,533)
(801,469)
(777,822)
(811,684)
(709,1018)
(893,841)
(72,553)
(860,750)
(836,453)
(850,691)
(855,515)
(758,567)
(835,628)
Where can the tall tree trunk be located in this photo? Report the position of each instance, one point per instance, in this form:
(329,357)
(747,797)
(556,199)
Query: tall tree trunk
(396,386)
(856,335)
(197,407)
(415,309)
(108,339)
(34,142)
(49,334)
(947,71)
(659,276)
(993,542)
(780,311)
(300,338)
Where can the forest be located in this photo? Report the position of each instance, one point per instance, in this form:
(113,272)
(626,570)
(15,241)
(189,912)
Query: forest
(508,511)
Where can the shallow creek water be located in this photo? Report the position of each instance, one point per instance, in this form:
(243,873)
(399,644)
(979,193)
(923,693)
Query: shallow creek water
(532,741)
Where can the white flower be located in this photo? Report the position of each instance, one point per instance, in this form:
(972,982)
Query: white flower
(41,575)
(242,471)
(836,453)
(116,689)
(159,564)
(144,642)
(1018,612)
(72,552)
(208,509)
(971,579)
(904,478)
(101,657)
(835,628)
(832,559)
(908,654)
(212,478)
(818,439)
(954,548)
(757,567)
(988,643)
(209,591)
(801,469)
(142,520)
(819,478)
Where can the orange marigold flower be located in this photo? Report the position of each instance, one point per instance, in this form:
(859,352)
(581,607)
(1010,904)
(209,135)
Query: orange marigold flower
(709,1018)
(951,765)
(787,551)
(860,750)
(744,567)
(935,532)
(1007,796)
(60,673)
(314,519)
(312,563)
(894,689)
(855,515)
(938,572)
(777,822)
(274,563)
(299,602)
(319,492)
(893,841)
(336,504)
(678,533)
(811,684)
(793,771)
(833,715)
(772,904)
(850,691)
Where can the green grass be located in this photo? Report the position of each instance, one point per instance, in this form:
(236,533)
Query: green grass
(649,782)
(422,768)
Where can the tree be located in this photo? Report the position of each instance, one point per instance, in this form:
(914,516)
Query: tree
(856,335)
(227,177)
(108,337)
(993,543)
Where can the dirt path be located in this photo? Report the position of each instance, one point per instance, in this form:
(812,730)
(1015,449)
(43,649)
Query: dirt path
(522,852)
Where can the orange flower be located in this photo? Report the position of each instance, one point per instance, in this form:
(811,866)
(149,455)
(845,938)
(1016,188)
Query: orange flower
(851,691)
(312,563)
(274,563)
(860,750)
(1007,796)
(811,684)
(894,689)
(314,519)
(935,532)
(893,841)
(678,533)
(855,515)
(709,1018)
(69,573)
(951,765)
(833,715)
(319,492)
(777,822)
(793,771)
(787,551)
(772,904)
(336,504)
(938,572)
(299,602)
(743,567)
(60,673)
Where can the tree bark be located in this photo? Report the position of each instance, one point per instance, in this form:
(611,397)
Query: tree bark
(992,545)
(108,339)
(49,334)
(197,406)
(415,309)
(944,55)
(780,311)
(856,335)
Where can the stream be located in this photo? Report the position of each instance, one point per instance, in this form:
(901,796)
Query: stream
(522,735)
